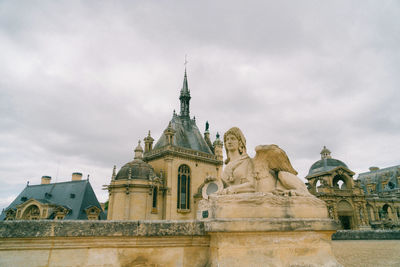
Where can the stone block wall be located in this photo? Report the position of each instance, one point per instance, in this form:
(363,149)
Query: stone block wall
(103,243)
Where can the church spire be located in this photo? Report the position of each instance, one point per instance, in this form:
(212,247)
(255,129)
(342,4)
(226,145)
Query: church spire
(185,98)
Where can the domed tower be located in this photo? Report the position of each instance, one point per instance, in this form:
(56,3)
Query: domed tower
(332,181)
(134,191)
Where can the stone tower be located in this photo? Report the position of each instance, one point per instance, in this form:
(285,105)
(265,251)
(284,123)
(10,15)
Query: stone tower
(166,182)
(185,159)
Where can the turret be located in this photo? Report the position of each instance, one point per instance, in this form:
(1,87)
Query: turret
(138,151)
(148,143)
(218,148)
(169,134)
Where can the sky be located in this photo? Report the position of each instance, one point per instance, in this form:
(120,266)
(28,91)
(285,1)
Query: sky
(82,81)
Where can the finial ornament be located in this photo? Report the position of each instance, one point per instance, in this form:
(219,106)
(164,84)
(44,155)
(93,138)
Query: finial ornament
(186,62)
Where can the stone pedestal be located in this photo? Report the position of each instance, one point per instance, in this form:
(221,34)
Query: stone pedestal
(267,230)
(261,205)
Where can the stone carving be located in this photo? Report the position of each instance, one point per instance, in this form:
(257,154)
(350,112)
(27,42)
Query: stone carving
(270,171)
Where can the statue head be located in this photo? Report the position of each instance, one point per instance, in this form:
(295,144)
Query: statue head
(237,133)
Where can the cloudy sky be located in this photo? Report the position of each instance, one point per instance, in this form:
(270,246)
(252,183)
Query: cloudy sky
(82,81)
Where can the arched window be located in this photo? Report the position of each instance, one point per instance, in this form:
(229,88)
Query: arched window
(341,182)
(317,185)
(183,187)
(31,213)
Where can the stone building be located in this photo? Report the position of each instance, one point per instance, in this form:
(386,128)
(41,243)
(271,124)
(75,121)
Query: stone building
(73,200)
(332,181)
(382,192)
(372,200)
(165,181)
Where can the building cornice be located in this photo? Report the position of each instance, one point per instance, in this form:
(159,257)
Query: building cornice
(171,150)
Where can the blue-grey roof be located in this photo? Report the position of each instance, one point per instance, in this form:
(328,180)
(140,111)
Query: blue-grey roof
(187,135)
(60,194)
(377,176)
(324,165)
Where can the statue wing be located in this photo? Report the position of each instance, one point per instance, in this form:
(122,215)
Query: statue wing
(274,158)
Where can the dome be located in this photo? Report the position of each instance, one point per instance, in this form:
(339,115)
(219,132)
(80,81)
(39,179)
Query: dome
(136,169)
(324,165)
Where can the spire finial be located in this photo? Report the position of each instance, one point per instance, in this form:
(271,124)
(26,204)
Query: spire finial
(185,96)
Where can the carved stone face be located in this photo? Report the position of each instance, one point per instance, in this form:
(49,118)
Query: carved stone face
(232,143)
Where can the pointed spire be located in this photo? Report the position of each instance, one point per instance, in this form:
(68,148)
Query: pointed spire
(185,87)
(185,97)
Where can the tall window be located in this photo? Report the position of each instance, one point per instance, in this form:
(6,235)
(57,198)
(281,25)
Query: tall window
(183,187)
(155,193)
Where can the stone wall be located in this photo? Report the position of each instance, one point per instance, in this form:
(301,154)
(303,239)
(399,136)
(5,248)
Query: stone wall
(366,235)
(103,243)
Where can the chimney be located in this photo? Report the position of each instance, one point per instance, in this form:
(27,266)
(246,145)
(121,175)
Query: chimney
(371,169)
(76,176)
(46,179)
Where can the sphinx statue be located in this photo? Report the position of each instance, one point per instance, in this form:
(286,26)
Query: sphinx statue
(269,171)
(262,213)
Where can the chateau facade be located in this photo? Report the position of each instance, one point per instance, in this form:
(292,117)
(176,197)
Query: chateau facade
(371,201)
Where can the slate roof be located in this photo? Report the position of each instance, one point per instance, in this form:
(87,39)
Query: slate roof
(60,194)
(324,165)
(377,176)
(187,135)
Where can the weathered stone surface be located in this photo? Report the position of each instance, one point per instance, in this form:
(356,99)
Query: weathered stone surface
(26,229)
(262,205)
(367,235)
(227,242)
(307,248)
(367,253)
(269,225)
